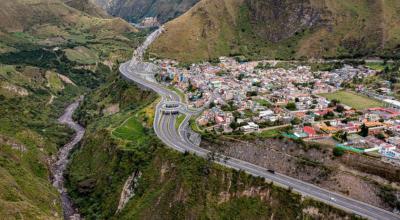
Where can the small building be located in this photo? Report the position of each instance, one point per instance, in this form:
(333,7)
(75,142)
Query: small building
(394,140)
(266,113)
(392,103)
(250,127)
(390,151)
(310,131)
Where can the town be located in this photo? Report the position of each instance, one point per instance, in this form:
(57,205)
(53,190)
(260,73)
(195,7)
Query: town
(252,97)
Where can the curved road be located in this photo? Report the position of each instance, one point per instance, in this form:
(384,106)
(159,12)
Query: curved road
(165,129)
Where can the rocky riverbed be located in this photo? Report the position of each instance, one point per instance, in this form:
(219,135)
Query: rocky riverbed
(61,162)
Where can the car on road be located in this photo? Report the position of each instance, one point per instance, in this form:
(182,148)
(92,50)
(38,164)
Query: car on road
(271,171)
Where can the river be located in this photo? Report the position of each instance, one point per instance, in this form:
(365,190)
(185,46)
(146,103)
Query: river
(58,168)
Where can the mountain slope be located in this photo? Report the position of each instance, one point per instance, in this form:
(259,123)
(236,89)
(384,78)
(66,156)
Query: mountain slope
(285,29)
(50,53)
(88,7)
(54,13)
(135,10)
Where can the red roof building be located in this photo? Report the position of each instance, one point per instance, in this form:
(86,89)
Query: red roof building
(310,131)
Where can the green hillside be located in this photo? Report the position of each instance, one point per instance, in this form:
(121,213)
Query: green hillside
(50,54)
(295,29)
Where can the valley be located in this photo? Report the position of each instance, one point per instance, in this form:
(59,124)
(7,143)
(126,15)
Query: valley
(231,109)
(135,10)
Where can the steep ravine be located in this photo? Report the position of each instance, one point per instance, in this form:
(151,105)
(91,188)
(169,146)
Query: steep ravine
(61,162)
(136,10)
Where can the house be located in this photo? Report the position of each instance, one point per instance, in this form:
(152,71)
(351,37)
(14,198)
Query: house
(394,140)
(266,113)
(390,151)
(310,131)
(250,127)
(392,103)
(328,129)
(219,119)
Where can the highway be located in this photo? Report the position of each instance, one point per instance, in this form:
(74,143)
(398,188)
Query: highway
(165,129)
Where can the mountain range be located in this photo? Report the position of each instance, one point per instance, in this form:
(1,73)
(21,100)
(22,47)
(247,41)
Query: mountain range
(283,29)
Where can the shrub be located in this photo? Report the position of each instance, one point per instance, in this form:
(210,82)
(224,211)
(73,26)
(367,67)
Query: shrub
(338,152)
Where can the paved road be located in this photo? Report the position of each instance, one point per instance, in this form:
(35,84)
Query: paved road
(165,129)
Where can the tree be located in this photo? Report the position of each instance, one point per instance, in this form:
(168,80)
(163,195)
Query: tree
(291,106)
(329,115)
(234,125)
(340,108)
(252,93)
(380,136)
(338,152)
(296,121)
(364,130)
(212,105)
(341,135)
(333,103)
(241,76)
(236,114)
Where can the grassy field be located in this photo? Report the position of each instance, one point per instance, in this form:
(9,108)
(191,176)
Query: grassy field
(263,102)
(54,81)
(81,55)
(376,66)
(351,99)
(179,120)
(130,130)
(269,133)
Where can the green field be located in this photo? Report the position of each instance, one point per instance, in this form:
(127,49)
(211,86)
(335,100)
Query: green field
(376,66)
(179,120)
(130,130)
(269,133)
(351,99)
(81,55)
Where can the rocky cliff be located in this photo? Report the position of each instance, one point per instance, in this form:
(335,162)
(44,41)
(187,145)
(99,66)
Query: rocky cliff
(135,10)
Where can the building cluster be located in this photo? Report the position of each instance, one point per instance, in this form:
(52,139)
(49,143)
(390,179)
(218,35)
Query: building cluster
(149,22)
(252,96)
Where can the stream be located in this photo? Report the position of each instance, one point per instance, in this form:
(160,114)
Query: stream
(58,168)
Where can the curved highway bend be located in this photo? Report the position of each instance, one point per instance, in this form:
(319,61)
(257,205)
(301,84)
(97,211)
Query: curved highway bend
(164,127)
